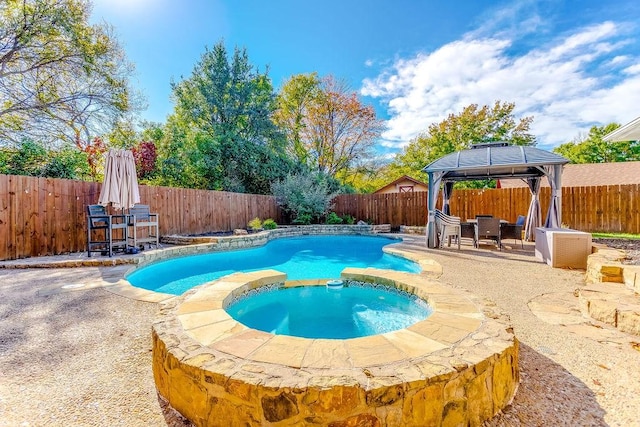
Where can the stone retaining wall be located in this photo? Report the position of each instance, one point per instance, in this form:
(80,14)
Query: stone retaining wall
(457,367)
(413,229)
(605,265)
(612,294)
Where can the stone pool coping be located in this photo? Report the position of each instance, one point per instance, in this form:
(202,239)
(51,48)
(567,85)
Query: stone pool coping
(221,243)
(463,352)
(204,244)
(203,318)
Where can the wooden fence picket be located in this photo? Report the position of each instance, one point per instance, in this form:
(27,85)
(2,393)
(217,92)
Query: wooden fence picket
(44,216)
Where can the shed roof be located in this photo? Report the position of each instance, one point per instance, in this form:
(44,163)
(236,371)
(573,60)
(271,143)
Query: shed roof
(494,160)
(401,179)
(590,174)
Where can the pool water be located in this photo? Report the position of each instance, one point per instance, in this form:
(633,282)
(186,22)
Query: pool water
(318,312)
(308,257)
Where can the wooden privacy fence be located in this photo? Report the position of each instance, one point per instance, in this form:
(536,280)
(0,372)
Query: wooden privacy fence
(613,208)
(44,216)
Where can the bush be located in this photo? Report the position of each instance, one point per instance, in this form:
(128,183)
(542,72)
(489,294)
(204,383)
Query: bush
(255,224)
(333,218)
(305,197)
(348,219)
(302,219)
(269,224)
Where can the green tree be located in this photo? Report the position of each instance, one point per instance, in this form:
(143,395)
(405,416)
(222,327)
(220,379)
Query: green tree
(593,149)
(34,159)
(61,79)
(458,132)
(328,128)
(296,96)
(223,118)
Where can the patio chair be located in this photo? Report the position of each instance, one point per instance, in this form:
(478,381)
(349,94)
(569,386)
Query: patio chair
(100,231)
(447,227)
(511,231)
(488,228)
(140,217)
(468,230)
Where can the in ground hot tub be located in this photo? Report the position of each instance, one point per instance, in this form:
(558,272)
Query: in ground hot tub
(455,367)
(350,310)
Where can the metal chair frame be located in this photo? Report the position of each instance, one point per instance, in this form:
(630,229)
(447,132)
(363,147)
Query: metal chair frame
(99,221)
(139,216)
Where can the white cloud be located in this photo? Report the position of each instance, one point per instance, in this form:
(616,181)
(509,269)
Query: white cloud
(568,85)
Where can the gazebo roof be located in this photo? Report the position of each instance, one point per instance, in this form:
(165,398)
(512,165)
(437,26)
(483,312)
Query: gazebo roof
(494,160)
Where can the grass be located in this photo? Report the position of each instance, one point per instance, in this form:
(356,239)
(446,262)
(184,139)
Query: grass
(616,236)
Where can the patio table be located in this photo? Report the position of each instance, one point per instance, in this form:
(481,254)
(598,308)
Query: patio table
(475,221)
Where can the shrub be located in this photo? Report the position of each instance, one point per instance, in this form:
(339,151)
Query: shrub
(304,196)
(348,219)
(255,224)
(333,218)
(269,224)
(303,219)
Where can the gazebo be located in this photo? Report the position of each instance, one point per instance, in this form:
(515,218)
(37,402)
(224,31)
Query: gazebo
(498,160)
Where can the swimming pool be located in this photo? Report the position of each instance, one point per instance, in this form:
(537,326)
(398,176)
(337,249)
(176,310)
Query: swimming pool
(307,257)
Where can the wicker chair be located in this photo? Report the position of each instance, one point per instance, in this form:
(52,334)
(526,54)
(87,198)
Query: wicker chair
(488,228)
(513,231)
(468,230)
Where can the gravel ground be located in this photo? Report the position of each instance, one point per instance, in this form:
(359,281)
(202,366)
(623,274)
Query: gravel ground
(82,357)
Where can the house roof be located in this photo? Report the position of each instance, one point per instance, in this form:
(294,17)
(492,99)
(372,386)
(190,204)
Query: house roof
(590,174)
(402,178)
(494,160)
(628,132)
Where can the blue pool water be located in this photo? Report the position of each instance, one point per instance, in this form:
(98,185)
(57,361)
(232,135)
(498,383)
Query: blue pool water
(309,257)
(318,312)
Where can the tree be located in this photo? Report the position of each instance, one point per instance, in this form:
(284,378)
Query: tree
(593,149)
(34,159)
(223,116)
(328,128)
(61,79)
(458,132)
(144,154)
(297,95)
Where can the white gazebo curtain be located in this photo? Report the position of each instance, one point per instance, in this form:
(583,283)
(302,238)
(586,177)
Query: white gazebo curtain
(435,178)
(534,215)
(446,197)
(554,214)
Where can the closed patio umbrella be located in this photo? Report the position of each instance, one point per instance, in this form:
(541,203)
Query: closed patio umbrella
(120,185)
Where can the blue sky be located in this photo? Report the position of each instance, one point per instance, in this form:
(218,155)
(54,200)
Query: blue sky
(570,64)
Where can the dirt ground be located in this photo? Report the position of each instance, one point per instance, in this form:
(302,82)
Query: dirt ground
(74,354)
